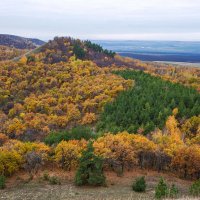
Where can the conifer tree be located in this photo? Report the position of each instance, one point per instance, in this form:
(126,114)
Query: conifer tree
(90,171)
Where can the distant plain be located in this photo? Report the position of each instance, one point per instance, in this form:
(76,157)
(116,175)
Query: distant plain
(175,52)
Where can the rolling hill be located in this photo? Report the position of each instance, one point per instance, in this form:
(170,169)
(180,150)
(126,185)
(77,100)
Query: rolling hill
(19,42)
(60,49)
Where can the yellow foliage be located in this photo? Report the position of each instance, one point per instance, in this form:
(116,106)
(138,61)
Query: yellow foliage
(172,127)
(191,128)
(10,161)
(15,126)
(117,148)
(167,143)
(89,118)
(175,111)
(22,61)
(24,147)
(67,153)
(12,154)
(54,96)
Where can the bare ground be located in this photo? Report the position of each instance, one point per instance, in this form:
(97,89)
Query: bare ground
(118,188)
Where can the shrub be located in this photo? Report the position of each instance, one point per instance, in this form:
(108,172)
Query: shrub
(139,185)
(173,191)
(53,180)
(33,162)
(77,133)
(90,171)
(2,182)
(45,176)
(161,190)
(10,162)
(81,132)
(195,188)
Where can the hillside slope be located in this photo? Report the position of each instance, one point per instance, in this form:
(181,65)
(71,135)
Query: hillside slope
(19,42)
(35,99)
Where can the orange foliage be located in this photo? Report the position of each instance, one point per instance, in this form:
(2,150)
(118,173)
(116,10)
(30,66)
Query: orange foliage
(187,161)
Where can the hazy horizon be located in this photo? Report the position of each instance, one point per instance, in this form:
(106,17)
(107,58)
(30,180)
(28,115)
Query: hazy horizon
(114,40)
(102,20)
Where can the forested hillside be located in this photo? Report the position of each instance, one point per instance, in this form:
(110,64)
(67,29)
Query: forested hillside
(35,99)
(147,105)
(60,49)
(72,105)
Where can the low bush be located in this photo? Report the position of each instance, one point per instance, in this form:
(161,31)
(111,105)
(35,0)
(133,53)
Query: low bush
(139,185)
(173,191)
(53,180)
(77,133)
(161,190)
(195,188)
(45,176)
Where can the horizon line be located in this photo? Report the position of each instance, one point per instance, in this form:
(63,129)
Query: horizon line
(93,38)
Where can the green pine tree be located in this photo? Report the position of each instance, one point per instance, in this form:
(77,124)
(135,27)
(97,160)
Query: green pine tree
(139,185)
(161,190)
(90,171)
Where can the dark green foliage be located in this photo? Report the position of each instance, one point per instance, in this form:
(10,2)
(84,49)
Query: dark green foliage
(76,133)
(78,51)
(195,188)
(139,185)
(161,190)
(173,191)
(93,46)
(2,182)
(148,104)
(90,171)
(98,48)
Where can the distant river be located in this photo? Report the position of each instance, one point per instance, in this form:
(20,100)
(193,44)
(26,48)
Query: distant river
(168,51)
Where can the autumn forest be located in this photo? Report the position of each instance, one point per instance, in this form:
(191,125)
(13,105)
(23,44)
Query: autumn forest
(78,107)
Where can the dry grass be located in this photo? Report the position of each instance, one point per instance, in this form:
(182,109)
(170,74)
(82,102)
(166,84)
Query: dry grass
(118,188)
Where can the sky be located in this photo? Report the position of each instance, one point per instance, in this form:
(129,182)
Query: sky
(102,19)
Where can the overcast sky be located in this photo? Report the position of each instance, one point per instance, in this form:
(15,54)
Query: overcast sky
(102,19)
